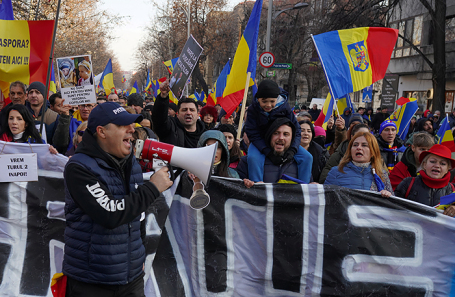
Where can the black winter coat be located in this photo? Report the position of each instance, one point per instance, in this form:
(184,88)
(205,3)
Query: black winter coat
(420,192)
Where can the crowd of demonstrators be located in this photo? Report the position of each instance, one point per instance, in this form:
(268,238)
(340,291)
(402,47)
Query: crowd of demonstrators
(358,150)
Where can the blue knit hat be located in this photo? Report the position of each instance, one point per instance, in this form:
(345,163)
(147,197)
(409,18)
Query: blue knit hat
(385,124)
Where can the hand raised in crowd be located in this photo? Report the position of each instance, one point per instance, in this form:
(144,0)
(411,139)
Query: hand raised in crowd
(63,109)
(450,211)
(385,193)
(161,179)
(330,123)
(53,150)
(164,89)
(339,123)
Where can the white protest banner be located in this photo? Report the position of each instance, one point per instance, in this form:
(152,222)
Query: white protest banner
(76,80)
(185,66)
(18,168)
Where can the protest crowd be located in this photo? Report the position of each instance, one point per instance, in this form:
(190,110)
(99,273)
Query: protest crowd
(268,141)
(357,150)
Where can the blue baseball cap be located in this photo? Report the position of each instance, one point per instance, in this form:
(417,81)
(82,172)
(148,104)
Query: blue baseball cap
(111,113)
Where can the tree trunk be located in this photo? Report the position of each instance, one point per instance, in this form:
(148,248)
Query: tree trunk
(291,81)
(439,48)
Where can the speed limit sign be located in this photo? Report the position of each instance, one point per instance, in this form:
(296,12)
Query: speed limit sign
(267,59)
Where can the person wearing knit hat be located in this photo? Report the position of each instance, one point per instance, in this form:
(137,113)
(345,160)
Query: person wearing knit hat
(172,110)
(270,104)
(355,117)
(208,116)
(235,153)
(35,100)
(257,167)
(392,147)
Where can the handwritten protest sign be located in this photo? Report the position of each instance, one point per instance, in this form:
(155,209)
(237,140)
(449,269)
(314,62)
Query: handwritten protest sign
(76,80)
(18,168)
(185,66)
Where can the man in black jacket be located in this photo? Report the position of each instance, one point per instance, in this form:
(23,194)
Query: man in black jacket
(104,198)
(183,130)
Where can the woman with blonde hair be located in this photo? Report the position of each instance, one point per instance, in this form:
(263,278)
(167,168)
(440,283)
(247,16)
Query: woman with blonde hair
(433,181)
(362,167)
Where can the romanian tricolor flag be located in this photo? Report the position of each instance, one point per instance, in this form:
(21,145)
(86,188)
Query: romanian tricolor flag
(123,79)
(403,100)
(156,85)
(58,285)
(445,135)
(170,64)
(286,179)
(446,201)
(343,103)
(402,117)
(107,79)
(326,112)
(135,88)
(355,58)
(148,84)
(245,61)
(52,84)
(221,82)
(211,98)
(24,51)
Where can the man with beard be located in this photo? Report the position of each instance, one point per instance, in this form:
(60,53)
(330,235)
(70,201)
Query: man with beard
(392,147)
(279,137)
(183,130)
(424,125)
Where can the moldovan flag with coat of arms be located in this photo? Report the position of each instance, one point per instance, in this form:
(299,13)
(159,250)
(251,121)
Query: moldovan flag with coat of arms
(25,47)
(355,58)
(245,61)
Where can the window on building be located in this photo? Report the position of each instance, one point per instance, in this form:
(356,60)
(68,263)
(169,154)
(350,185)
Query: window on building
(450,29)
(411,29)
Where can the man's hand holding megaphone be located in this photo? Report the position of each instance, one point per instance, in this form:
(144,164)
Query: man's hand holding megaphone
(161,179)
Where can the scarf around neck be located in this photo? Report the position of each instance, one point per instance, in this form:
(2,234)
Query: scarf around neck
(433,182)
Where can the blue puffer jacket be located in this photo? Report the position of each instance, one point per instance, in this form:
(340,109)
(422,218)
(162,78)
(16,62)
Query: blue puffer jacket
(354,177)
(93,253)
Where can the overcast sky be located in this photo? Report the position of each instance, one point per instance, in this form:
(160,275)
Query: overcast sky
(128,36)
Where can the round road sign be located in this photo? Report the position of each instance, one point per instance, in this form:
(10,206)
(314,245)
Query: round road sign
(267,59)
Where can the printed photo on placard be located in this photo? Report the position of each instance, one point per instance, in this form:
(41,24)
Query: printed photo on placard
(76,79)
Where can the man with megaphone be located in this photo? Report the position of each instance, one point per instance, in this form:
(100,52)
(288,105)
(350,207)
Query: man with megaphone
(105,201)
(183,130)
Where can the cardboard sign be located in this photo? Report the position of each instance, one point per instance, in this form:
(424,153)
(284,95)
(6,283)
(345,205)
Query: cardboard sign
(76,80)
(185,66)
(18,168)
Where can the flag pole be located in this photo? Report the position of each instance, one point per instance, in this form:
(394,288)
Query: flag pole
(49,68)
(242,112)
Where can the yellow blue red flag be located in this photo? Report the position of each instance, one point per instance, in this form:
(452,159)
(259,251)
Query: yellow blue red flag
(107,79)
(445,135)
(402,117)
(52,84)
(326,112)
(343,103)
(123,79)
(355,58)
(134,89)
(170,64)
(148,84)
(245,61)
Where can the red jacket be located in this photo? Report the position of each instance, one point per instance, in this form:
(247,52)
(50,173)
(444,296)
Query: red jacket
(399,172)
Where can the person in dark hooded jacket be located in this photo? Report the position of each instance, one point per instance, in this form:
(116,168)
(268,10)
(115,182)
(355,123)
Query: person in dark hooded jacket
(346,116)
(234,150)
(424,125)
(267,106)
